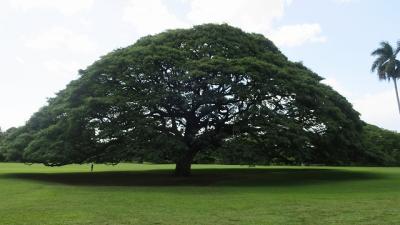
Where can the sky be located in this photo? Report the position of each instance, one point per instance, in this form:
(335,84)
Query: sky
(43,43)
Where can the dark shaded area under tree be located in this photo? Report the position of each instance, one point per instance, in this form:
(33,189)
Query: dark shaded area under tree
(246,177)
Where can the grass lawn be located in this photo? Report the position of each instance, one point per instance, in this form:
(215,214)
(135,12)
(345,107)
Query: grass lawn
(148,194)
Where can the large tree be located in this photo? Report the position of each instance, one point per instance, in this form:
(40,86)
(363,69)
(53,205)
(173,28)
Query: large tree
(387,65)
(181,92)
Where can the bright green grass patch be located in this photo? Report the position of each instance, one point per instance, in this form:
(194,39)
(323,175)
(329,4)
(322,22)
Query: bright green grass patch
(149,194)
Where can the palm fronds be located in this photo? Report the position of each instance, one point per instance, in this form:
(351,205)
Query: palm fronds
(386,65)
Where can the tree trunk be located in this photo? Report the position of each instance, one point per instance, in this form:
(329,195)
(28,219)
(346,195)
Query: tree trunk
(397,93)
(184,164)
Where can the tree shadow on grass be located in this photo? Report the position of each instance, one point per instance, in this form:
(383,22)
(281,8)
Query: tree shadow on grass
(201,177)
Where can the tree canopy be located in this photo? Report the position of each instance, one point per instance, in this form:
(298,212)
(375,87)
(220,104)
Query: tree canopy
(382,147)
(211,89)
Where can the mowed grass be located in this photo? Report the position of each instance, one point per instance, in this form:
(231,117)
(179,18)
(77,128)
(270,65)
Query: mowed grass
(215,194)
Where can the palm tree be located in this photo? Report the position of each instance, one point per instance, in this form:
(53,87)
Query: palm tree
(386,64)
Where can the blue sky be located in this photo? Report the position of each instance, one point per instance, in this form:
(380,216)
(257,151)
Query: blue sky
(352,30)
(44,42)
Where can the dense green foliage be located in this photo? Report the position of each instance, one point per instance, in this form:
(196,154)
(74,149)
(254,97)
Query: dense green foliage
(2,157)
(381,146)
(212,90)
(13,142)
(145,194)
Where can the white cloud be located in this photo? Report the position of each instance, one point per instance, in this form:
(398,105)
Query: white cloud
(60,38)
(62,68)
(332,82)
(345,1)
(67,7)
(153,16)
(296,35)
(256,16)
(150,16)
(379,109)
(19,60)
